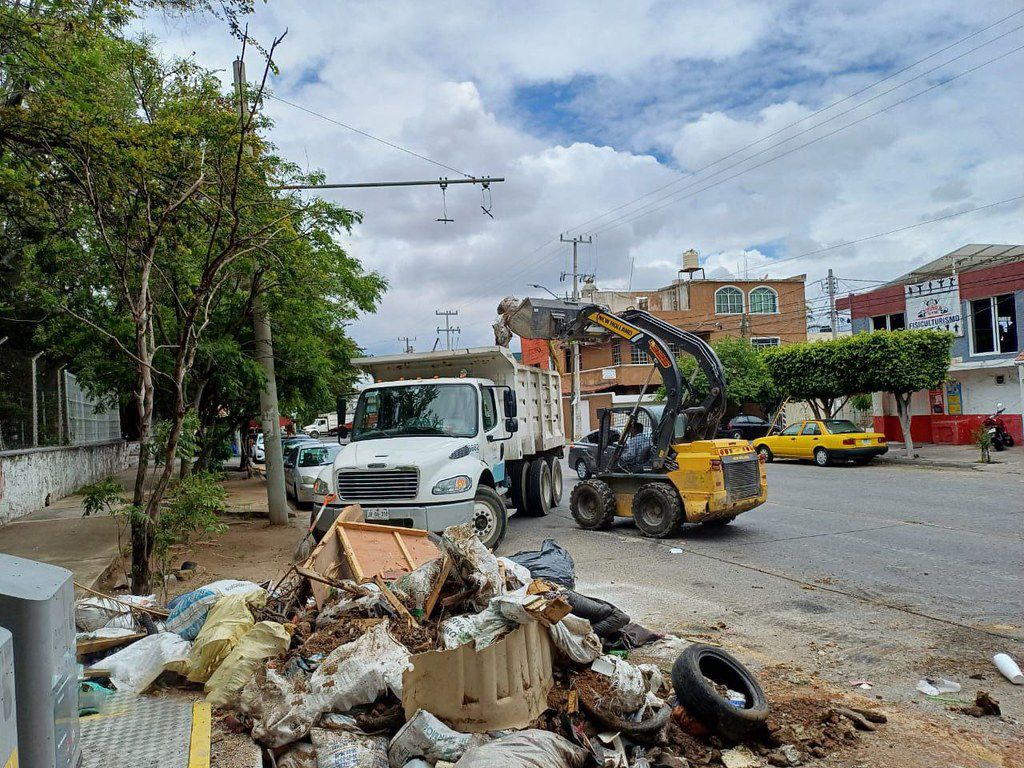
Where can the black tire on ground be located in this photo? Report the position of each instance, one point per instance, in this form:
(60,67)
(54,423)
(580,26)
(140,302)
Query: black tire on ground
(592,504)
(557,481)
(821,457)
(657,510)
(720,522)
(1008,440)
(538,489)
(490,516)
(517,472)
(582,470)
(690,674)
(764,450)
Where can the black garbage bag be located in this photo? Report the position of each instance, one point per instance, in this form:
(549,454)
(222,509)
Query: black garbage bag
(552,563)
(605,619)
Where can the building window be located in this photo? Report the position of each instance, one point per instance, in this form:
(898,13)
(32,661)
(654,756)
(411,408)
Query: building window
(994,324)
(675,349)
(642,302)
(764,301)
(894,322)
(616,352)
(729,301)
(760,342)
(638,356)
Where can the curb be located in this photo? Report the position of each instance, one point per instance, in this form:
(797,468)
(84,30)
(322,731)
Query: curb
(976,466)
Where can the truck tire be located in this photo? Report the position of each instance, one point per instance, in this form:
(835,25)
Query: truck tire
(314,433)
(657,510)
(489,516)
(557,481)
(517,473)
(592,504)
(538,488)
(690,674)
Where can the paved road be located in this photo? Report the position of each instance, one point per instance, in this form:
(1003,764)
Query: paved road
(891,564)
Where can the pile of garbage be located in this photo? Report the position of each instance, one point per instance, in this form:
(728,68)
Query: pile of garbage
(364,657)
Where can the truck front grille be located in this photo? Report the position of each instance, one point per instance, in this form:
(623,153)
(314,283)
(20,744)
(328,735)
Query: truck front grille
(374,484)
(742,478)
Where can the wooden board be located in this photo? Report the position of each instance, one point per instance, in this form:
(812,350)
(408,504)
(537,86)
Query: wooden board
(84,647)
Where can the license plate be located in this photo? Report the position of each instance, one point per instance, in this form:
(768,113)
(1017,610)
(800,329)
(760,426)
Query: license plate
(865,442)
(376,513)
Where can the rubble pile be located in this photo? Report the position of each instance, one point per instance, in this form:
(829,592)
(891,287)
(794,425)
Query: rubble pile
(466,659)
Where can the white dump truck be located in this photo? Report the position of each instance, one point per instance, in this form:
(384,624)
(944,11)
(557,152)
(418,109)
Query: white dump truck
(440,438)
(324,424)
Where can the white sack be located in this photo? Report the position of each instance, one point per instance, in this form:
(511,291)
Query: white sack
(136,667)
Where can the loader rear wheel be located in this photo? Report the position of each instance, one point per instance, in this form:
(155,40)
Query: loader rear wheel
(657,510)
(538,489)
(592,504)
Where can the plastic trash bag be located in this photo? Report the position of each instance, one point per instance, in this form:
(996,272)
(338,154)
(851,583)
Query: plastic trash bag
(417,585)
(574,637)
(605,619)
(477,567)
(551,563)
(481,629)
(516,576)
(227,621)
(348,749)
(92,613)
(188,611)
(352,674)
(134,668)
(298,755)
(525,749)
(427,737)
(264,640)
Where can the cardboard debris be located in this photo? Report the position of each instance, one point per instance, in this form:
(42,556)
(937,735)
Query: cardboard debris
(363,551)
(546,605)
(504,685)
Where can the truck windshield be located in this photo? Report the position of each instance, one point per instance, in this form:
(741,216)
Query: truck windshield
(421,409)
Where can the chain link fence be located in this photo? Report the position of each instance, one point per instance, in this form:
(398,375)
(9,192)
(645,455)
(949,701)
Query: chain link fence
(42,405)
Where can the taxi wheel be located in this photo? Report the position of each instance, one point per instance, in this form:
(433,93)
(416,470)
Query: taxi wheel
(821,457)
(766,452)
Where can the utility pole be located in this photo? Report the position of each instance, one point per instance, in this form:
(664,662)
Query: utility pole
(407,340)
(270,417)
(832,314)
(576,403)
(448,329)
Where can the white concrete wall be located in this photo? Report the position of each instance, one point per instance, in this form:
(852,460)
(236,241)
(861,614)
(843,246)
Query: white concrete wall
(27,477)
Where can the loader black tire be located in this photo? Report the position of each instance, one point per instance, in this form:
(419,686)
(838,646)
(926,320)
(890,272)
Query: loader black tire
(538,489)
(657,510)
(690,674)
(517,473)
(592,504)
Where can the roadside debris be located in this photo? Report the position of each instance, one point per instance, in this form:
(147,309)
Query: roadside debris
(984,706)
(383,649)
(1008,667)
(932,686)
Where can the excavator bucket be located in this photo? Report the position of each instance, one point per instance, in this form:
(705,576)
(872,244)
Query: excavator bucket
(543,318)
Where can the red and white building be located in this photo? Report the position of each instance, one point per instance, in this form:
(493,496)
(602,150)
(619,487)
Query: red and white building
(977,292)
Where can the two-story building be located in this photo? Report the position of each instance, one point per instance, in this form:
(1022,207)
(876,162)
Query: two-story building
(977,292)
(769,312)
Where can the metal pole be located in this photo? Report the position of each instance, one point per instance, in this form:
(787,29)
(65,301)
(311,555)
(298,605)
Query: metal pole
(374,184)
(448,329)
(407,340)
(576,401)
(832,314)
(35,404)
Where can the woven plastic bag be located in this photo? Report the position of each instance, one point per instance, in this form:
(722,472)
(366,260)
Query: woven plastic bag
(188,611)
(265,640)
(228,620)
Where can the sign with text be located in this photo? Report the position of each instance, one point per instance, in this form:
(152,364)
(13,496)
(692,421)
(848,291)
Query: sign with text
(935,305)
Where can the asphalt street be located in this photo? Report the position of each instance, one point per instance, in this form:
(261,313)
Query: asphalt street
(858,569)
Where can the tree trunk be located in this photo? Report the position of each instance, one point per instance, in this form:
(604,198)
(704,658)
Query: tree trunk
(903,409)
(144,395)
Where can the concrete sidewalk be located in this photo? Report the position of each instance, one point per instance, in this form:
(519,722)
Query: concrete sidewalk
(1009,461)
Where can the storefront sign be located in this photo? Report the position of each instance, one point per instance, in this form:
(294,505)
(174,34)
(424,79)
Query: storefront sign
(935,305)
(954,403)
(607,373)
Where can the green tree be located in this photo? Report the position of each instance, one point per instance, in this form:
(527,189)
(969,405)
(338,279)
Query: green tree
(825,374)
(746,374)
(902,363)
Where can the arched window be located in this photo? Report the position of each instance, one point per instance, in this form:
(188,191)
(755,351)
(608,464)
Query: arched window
(729,301)
(764,301)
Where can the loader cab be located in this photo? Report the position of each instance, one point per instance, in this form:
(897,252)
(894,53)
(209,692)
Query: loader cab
(627,438)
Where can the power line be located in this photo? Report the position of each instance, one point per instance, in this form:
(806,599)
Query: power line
(368,135)
(820,111)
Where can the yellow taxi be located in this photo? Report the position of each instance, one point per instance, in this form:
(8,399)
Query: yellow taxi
(822,441)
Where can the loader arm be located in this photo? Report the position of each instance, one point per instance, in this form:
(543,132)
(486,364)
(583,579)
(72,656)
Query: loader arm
(563,320)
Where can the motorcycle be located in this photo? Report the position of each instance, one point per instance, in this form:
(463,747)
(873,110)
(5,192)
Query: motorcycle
(997,429)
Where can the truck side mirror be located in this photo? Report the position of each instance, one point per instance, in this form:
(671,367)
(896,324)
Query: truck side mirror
(511,425)
(511,407)
(341,406)
(342,432)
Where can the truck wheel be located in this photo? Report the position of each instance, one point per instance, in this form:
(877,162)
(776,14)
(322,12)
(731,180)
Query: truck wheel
(557,482)
(657,510)
(592,504)
(489,516)
(538,489)
(314,433)
(517,473)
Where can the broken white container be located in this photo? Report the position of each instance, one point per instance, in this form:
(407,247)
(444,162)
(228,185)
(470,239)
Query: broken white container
(1009,668)
(504,685)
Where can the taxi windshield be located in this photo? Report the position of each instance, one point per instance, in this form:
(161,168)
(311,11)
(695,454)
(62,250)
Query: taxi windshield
(841,426)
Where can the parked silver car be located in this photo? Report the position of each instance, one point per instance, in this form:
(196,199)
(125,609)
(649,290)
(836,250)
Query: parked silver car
(302,463)
(583,453)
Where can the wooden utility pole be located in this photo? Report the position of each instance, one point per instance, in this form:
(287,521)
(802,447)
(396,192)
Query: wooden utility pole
(576,401)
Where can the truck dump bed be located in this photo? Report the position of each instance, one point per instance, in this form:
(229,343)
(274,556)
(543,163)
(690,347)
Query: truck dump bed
(538,392)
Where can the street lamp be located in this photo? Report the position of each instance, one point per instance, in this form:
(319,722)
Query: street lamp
(535,285)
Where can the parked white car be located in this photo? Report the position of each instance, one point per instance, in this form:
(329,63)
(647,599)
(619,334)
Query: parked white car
(302,465)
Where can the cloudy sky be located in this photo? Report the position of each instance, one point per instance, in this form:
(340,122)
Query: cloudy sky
(653,126)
